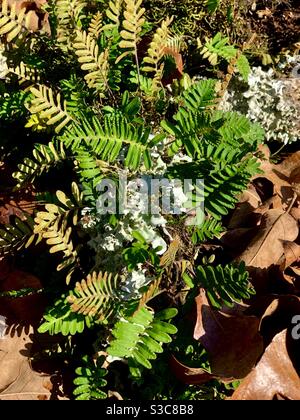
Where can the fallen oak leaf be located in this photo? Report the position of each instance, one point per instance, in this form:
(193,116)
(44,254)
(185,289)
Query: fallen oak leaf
(18,381)
(291,254)
(267,247)
(248,201)
(232,341)
(280,182)
(274,375)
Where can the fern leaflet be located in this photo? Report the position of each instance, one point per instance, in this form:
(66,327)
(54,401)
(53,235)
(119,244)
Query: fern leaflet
(140,337)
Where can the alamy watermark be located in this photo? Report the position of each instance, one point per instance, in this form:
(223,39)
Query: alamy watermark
(296,329)
(3,327)
(296,71)
(153,197)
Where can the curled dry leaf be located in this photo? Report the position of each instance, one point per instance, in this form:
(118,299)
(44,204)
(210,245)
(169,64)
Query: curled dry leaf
(232,341)
(17,380)
(249,201)
(291,254)
(281,184)
(274,375)
(275,313)
(267,246)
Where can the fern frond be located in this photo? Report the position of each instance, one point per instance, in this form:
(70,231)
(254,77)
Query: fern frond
(16,236)
(113,12)
(50,108)
(44,158)
(218,47)
(53,225)
(59,319)
(26,73)
(68,14)
(89,380)
(139,338)
(96,25)
(107,140)
(225,284)
(222,187)
(132,26)
(88,167)
(243,67)
(11,22)
(91,60)
(157,47)
(97,296)
(209,229)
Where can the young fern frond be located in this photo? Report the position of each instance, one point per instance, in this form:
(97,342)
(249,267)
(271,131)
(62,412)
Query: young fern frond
(50,108)
(97,296)
(140,337)
(53,225)
(14,237)
(89,380)
(91,60)
(224,285)
(132,26)
(44,158)
(96,25)
(59,319)
(11,22)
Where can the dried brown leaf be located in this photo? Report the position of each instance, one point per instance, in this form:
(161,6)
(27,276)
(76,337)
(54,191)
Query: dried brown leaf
(232,341)
(274,375)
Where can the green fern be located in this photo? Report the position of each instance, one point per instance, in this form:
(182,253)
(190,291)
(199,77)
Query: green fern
(88,168)
(90,380)
(218,47)
(96,297)
(44,158)
(140,337)
(222,187)
(107,140)
(59,319)
(210,229)
(225,285)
